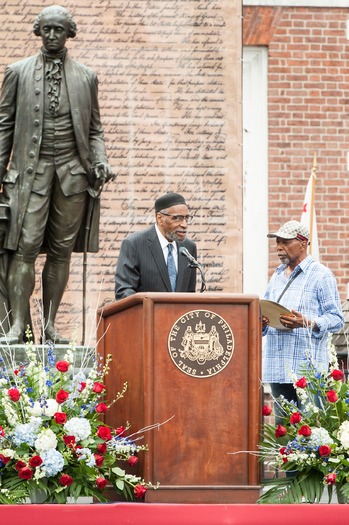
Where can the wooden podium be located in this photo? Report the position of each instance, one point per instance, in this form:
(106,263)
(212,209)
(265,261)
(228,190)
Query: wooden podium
(194,358)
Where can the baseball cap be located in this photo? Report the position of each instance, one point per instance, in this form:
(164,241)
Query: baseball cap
(292,230)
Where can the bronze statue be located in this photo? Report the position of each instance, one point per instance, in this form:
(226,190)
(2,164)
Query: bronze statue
(52,161)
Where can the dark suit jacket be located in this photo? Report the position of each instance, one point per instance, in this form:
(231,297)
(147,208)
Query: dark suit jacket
(141,266)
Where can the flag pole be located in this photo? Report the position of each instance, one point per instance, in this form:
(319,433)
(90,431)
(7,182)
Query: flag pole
(312,200)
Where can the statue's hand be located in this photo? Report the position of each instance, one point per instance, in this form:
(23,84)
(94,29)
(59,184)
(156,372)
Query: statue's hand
(103,172)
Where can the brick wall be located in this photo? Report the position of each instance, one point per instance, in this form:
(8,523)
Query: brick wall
(308,98)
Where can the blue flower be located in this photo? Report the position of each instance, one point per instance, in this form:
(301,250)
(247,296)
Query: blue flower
(53,462)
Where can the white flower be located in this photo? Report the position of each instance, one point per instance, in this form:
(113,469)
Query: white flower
(46,440)
(79,427)
(343,434)
(86,454)
(49,408)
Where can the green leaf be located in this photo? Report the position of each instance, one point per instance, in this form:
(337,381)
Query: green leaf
(118,471)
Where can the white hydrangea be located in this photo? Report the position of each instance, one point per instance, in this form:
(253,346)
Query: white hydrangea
(79,427)
(46,440)
(50,408)
(343,434)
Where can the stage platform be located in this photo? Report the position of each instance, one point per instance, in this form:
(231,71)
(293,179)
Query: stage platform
(173,514)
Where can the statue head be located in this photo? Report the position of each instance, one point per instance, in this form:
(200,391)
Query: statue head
(55,10)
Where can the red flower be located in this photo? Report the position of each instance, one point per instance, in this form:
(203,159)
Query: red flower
(120,431)
(332,396)
(280,431)
(61,396)
(14,394)
(2,431)
(101,408)
(99,460)
(132,460)
(304,431)
(4,459)
(266,410)
(69,441)
(104,433)
(62,366)
(98,388)
(325,450)
(301,383)
(65,480)
(337,375)
(82,386)
(35,461)
(295,418)
(101,483)
(102,448)
(20,464)
(139,491)
(330,479)
(25,473)
(60,418)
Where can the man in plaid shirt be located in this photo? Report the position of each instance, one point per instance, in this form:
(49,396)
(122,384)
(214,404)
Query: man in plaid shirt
(309,290)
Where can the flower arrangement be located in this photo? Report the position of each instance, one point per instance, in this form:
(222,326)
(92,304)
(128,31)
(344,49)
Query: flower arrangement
(311,445)
(52,438)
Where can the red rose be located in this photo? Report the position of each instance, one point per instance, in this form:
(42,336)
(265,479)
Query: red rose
(14,394)
(4,460)
(69,441)
(20,464)
(61,396)
(295,418)
(120,431)
(25,473)
(132,460)
(139,491)
(280,431)
(65,480)
(99,460)
(102,448)
(301,383)
(35,461)
(266,410)
(62,366)
(101,483)
(325,450)
(104,433)
(60,418)
(330,479)
(101,408)
(332,396)
(82,386)
(337,375)
(304,431)
(2,431)
(98,388)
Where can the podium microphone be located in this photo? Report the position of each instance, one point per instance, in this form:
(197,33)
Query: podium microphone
(193,263)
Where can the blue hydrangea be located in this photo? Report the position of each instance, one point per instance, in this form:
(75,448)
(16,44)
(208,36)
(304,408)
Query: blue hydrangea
(53,462)
(25,433)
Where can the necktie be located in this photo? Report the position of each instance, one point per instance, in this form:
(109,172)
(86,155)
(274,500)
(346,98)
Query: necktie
(171,268)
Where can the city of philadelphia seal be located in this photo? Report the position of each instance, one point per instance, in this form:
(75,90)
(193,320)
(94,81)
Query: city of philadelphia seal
(201,343)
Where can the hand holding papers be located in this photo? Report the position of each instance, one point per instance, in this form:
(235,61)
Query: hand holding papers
(272,312)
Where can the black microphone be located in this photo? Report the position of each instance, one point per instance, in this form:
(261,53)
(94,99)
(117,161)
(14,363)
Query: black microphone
(188,255)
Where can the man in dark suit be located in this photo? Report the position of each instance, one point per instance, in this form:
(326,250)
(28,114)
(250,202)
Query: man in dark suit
(52,158)
(147,264)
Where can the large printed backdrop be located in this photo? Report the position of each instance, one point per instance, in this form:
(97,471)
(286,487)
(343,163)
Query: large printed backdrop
(170,96)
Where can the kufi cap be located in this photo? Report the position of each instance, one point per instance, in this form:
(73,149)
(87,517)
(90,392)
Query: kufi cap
(168,200)
(292,230)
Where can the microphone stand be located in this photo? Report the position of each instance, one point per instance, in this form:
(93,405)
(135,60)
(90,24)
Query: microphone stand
(201,270)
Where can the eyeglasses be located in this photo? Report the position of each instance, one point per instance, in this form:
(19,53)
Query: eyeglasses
(179,218)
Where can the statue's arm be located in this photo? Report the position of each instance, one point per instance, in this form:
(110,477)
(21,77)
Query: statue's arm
(8,98)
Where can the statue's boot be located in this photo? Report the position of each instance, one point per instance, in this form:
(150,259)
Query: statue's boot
(54,281)
(21,280)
